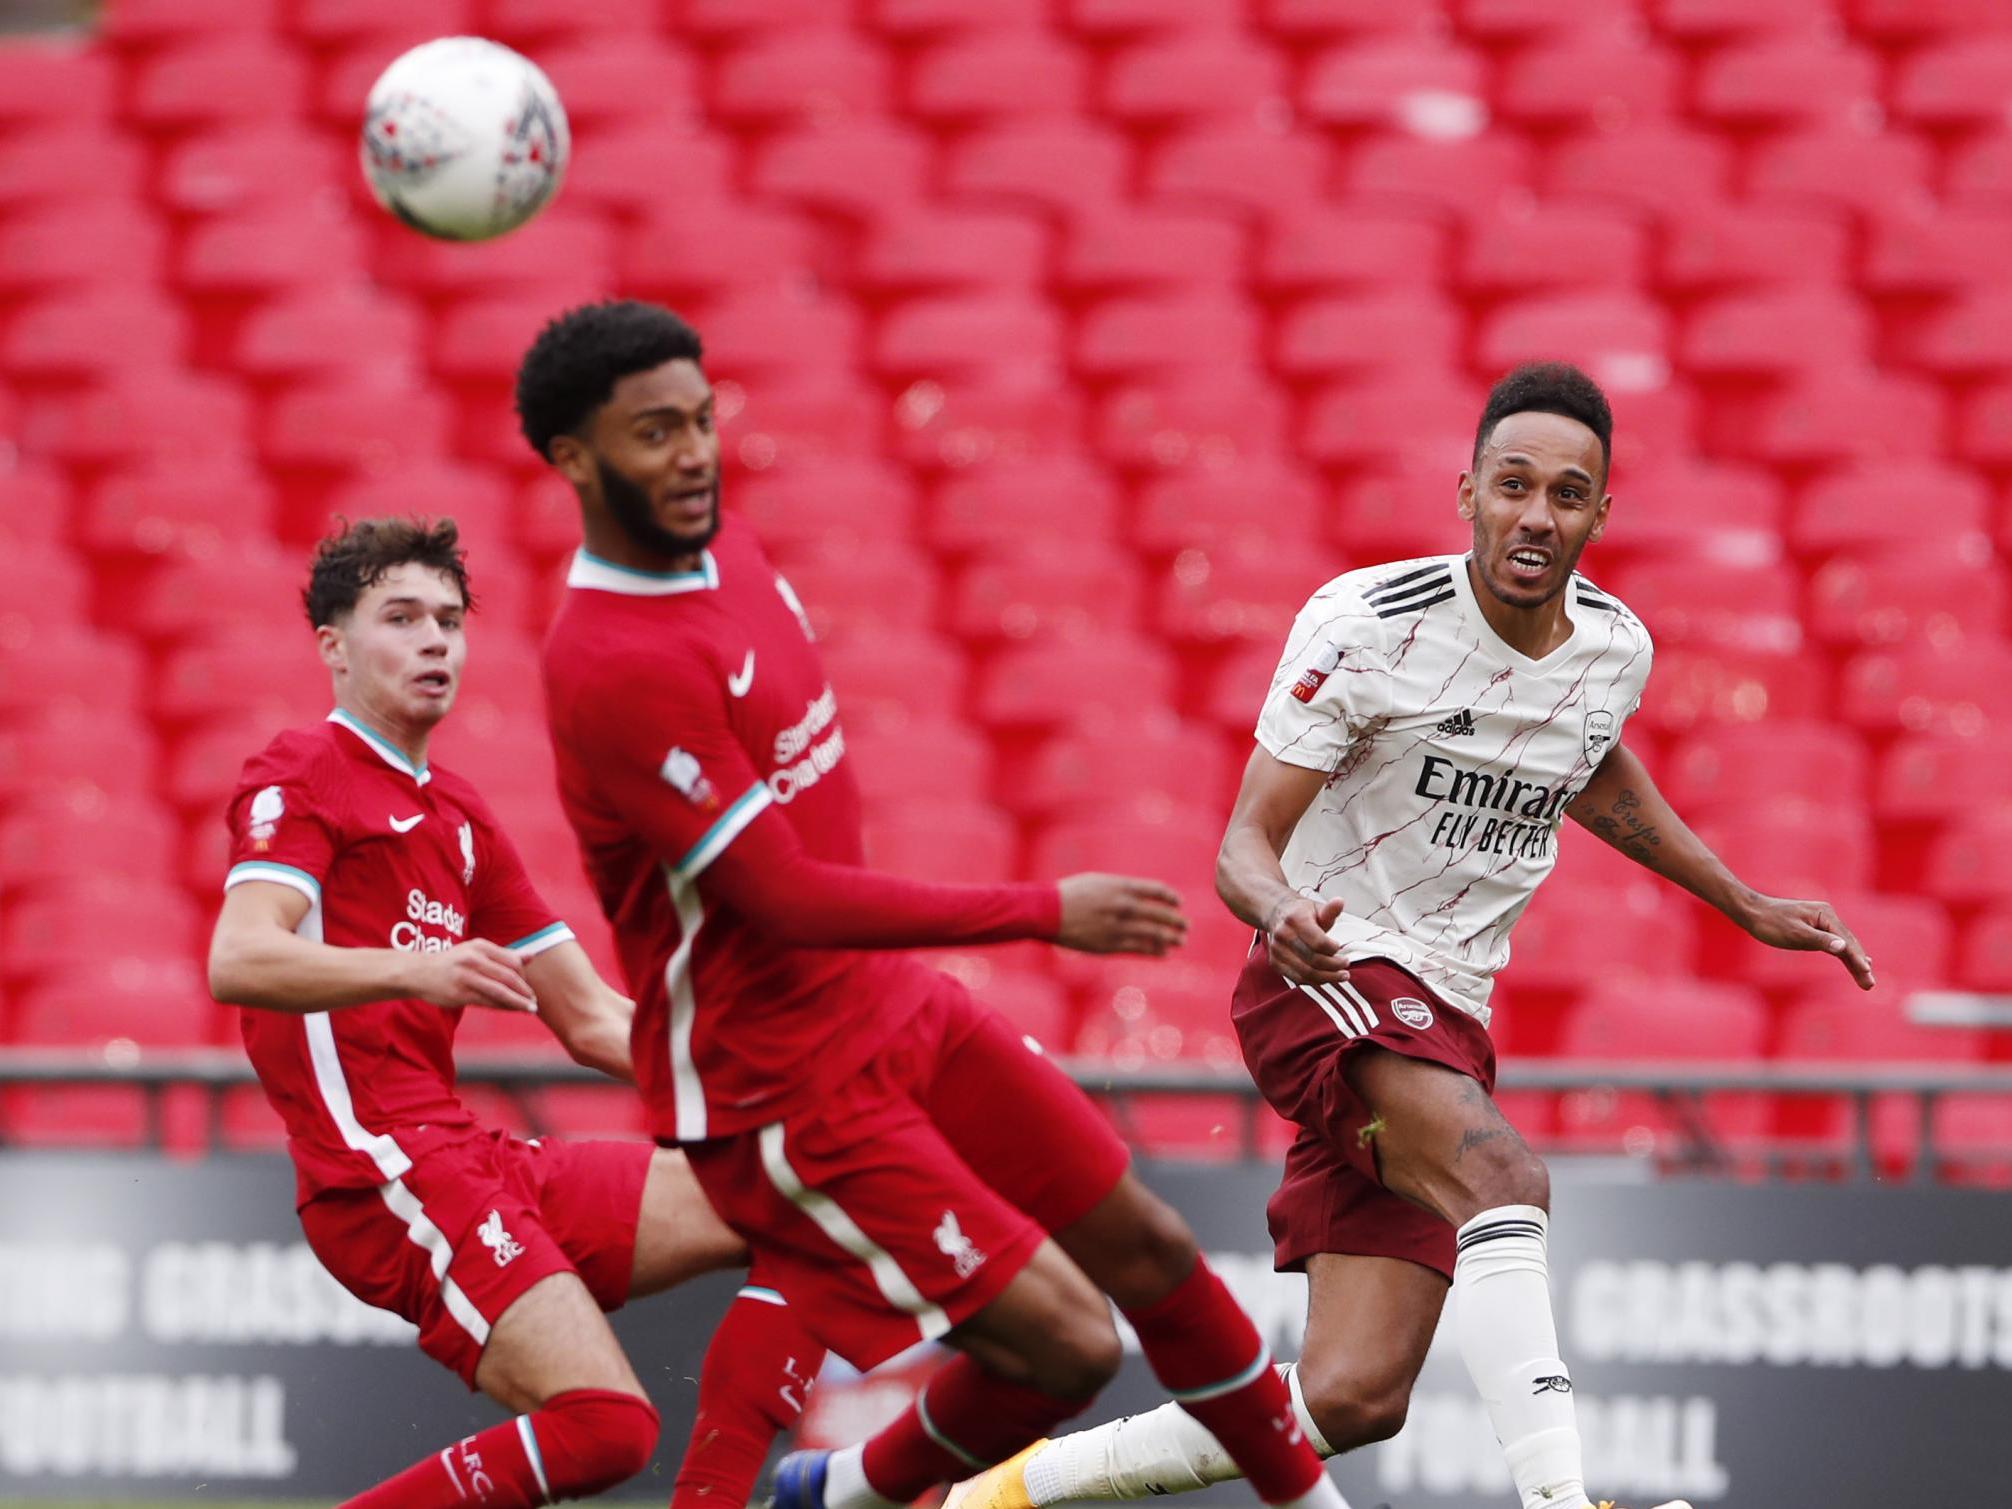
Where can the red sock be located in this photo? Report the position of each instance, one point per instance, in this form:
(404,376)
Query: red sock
(582,1442)
(964,1418)
(1210,1357)
(758,1370)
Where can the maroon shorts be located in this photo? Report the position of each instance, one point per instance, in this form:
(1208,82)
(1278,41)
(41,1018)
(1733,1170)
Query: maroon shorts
(477,1221)
(903,1202)
(1294,1040)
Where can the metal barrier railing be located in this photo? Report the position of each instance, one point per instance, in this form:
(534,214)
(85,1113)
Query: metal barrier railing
(1680,1087)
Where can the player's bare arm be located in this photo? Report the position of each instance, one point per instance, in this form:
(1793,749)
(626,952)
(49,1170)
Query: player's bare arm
(257,959)
(1622,805)
(590,1017)
(1271,800)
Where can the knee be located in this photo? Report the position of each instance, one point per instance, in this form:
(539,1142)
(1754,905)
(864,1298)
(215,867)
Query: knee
(1351,1411)
(1512,1176)
(1161,1255)
(1081,1356)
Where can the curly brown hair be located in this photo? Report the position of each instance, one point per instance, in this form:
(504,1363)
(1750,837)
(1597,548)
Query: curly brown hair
(353,558)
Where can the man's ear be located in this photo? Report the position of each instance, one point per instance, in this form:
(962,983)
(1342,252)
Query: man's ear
(1600,519)
(334,650)
(1466,505)
(573,462)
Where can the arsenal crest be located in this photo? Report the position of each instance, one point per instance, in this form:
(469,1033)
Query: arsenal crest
(1599,734)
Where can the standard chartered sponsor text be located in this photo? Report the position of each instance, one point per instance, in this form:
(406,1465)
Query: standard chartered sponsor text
(1792,1314)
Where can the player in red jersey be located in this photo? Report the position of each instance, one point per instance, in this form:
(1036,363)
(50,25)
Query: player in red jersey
(906,1166)
(370,898)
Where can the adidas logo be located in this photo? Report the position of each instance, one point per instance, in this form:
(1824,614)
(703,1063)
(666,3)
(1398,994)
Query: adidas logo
(1460,723)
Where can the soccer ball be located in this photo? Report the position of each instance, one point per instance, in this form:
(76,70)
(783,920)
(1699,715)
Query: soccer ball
(464,139)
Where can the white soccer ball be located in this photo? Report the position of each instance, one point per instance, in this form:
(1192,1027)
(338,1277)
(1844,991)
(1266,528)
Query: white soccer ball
(464,139)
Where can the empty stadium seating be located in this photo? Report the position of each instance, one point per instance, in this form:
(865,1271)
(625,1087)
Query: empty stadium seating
(1061,350)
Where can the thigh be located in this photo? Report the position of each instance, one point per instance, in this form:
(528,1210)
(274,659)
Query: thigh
(1369,1323)
(1440,1140)
(1026,1128)
(552,1338)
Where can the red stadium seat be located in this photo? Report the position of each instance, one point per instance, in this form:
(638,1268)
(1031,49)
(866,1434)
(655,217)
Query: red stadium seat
(1139,1014)
(1468,176)
(1203,507)
(239,167)
(176,506)
(797,509)
(864,169)
(1630,78)
(1686,602)
(1976,178)
(985,507)
(1294,21)
(92,332)
(1055,164)
(1315,248)
(136,24)
(65,668)
(1123,249)
(619,165)
(901,760)
(1935,592)
(1195,75)
(1933,777)
(352,425)
(1840,167)
(1064,586)
(1960,687)
(269,250)
(1933,249)
(929,250)
(1167,843)
(1971,862)
(1236,166)
(249,583)
(1502,21)
(1777,331)
(1541,246)
(272,678)
(989,75)
(964,842)
(1112,20)
(1984,959)
(895,673)
(1052,682)
(815,425)
(1365,418)
(850,583)
(482,339)
(1849,413)
(170,417)
(79,242)
(1786,80)
(44,81)
(1879,506)
(1983,424)
(1621,339)
(1968,336)
(1402,83)
(1797,760)
(58,927)
(1955,83)
(82,830)
(618,76)
(1375,331)
(1217,418)
(1004,338)
(920,19)
(1244,593)
(1095,765)
(64,745)
(1693,687)
(68,160)
(1794,848)
(801,74)
(704,246)
(1134,338)
(43,584)
(328,23)
(215,80)
(1655,167)
(937,428)
(579,243)
(723,19)
(540,20)
(330,330)
(793,334)
(1644,930)
(1719,246)
(1400,512)
(1704,20)
(1907,20)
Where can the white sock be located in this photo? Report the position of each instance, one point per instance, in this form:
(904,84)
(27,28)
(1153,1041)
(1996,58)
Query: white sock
(1165,1450)
(1501,1282)
(845,1484)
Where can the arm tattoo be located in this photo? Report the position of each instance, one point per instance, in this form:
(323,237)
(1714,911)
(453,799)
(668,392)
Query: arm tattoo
(1621,826)
(1478,1137)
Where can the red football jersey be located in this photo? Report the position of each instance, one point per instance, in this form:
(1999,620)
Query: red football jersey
(683,707)
(388,856)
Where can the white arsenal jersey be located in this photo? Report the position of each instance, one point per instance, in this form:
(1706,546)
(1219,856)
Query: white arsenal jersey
(1451,757)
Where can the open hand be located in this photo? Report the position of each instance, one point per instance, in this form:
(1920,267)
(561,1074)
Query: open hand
(1120,914)
(475,973)
(1811,925)
(1297,938)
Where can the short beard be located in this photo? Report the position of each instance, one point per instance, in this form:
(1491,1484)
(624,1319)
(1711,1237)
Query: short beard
(629,506)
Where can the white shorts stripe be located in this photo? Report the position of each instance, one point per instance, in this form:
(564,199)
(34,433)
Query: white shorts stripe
(1325,1005)
(1361,1000)
(894,1285)
(405,1205)
(1347,1009)
(530,1439)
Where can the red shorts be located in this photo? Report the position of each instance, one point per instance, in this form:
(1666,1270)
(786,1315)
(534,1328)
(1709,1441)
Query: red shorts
(1331,1198)
(476,1222)
(903,1202)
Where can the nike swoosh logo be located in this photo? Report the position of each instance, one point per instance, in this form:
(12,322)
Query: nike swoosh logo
(739,685)
(407,824)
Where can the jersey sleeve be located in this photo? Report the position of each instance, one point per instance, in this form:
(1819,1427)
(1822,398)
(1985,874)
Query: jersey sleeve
(505,906)
(1332,681)
(282,821)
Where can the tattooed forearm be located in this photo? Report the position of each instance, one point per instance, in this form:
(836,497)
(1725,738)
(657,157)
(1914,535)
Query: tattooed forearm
(1621,826)
(1478,1137)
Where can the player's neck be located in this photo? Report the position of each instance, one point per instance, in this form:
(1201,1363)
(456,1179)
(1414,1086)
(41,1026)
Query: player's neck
(608,541)
(407,739)
(1533,632)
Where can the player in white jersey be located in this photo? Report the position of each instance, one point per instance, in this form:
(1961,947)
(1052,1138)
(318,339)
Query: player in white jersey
(1430,726)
